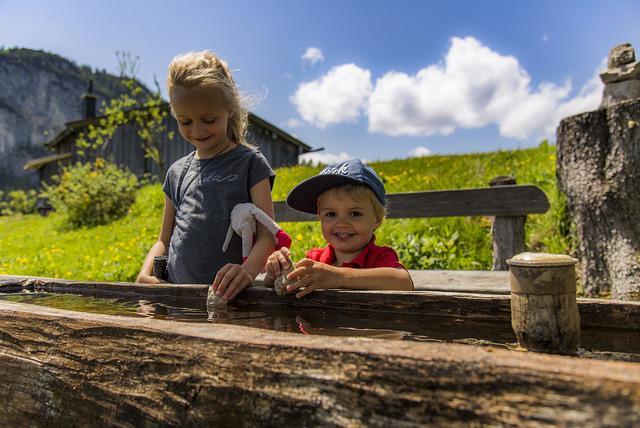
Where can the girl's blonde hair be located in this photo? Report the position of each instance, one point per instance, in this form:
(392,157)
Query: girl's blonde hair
(205,70)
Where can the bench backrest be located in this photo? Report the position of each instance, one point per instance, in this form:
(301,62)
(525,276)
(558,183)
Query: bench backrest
(508,204)
(512,200)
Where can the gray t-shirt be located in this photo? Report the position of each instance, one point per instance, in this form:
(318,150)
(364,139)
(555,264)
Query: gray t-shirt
(209,190)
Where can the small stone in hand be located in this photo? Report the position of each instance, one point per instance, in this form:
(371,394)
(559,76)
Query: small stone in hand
(214,301)
(281,281)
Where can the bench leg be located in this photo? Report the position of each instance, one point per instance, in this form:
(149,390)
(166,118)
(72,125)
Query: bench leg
(507,234)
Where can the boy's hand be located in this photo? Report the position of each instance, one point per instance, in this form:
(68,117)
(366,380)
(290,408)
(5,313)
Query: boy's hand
(232,279)
(149,279)
(277,263)
(313,275)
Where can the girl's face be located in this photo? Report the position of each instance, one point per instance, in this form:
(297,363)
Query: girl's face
(347,224)
(202,120)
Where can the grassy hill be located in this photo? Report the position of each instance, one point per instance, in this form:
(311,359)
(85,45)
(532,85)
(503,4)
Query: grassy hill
(34,245)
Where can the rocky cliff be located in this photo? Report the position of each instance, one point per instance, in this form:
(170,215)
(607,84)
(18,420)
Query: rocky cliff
(39,93)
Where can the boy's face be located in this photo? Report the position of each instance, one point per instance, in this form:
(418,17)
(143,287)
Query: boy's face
(347,224)
(201,120)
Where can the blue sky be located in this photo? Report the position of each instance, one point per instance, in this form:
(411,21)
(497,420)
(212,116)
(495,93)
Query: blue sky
(384,80)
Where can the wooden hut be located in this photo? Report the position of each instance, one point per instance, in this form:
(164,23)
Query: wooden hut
(126,148)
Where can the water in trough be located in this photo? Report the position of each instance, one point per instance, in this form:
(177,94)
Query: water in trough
(333,322)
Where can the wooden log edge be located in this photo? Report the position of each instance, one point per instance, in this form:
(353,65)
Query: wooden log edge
(256,336)
(86,368)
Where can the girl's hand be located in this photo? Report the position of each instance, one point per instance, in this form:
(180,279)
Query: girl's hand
(232,279)
(276,263)
(149,279)
(312,276)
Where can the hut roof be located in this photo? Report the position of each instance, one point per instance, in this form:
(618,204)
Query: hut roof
(76,126)
(40,162)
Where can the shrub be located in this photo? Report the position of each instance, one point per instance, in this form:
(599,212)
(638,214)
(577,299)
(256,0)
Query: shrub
(18,202)
(91,194)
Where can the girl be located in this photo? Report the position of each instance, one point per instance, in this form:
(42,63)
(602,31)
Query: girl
(203,187)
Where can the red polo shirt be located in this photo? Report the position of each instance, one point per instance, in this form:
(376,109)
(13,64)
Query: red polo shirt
(371,256)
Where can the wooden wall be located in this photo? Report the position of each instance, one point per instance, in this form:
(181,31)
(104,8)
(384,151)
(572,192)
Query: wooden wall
(126,150)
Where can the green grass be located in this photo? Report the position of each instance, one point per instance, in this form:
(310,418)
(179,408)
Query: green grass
(33,245)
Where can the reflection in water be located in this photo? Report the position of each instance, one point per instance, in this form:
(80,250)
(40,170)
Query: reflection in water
(75,302)
(228,314)
(603,343)
(291,321)
(306,327)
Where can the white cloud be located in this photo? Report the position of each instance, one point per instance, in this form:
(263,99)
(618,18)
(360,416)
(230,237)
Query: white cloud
(472,87)
(588,98)
(325,158)
(419,152)
(294,123)
(533,113)
(313,55)
(339,96)
(540,113)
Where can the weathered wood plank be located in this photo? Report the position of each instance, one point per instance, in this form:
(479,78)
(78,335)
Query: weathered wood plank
(65,368)
(507,232)
(491,201)
(462,281)
(284,213)
(507,239)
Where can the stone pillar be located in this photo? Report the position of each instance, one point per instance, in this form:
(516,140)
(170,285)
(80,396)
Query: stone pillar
(598,168)
(622,77)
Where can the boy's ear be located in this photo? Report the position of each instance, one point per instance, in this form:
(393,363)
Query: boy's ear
(378,222)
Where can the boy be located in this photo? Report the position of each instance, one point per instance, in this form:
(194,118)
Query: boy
(349,199)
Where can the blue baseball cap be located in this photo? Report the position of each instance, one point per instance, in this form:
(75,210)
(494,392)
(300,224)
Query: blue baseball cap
(304,196)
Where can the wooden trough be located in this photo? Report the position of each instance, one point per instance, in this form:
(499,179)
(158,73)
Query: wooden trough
(61,367)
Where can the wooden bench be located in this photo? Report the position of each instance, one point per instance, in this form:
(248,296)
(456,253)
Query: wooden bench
(506,202)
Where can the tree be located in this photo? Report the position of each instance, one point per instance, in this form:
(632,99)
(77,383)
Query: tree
(135,105)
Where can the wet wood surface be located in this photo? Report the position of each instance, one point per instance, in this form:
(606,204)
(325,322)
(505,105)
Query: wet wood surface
(67,368)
